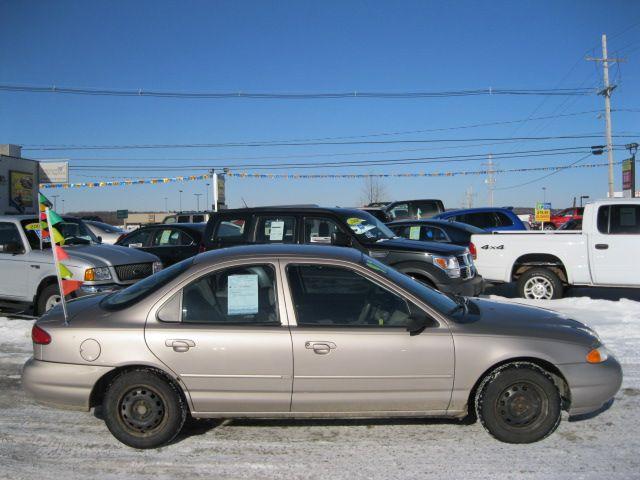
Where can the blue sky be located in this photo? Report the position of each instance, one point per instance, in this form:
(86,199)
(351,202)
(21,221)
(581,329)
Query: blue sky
(313,47)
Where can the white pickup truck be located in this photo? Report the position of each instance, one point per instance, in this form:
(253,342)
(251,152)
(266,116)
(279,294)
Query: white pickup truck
(606,253)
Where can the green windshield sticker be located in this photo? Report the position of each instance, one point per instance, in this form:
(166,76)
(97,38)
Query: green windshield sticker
(414,233)
(375,266)
(32,226)
(355,221)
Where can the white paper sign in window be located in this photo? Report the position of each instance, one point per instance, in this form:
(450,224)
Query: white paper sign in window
(276,234)
(242,295)
(414,233)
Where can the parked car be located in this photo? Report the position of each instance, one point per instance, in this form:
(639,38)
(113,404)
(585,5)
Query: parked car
(413,209)
(437,231)
(187,217)
(378,212)
(544,263)
(218,335)
(488,218)
(169,242)
(448,268)
(28,274)
(563,216)
(105,232)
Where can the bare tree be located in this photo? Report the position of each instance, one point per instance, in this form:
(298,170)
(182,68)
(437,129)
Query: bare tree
(373,190)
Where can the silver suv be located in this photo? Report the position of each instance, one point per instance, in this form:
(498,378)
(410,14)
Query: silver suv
(28,274)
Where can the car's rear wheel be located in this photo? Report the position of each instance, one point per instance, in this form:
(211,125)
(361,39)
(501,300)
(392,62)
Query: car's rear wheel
(519,403)
(49,297)
(143,410)
(540,284)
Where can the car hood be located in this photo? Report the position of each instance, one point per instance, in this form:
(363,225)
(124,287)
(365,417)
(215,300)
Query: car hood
(405,245)
(491,317)
(108,255)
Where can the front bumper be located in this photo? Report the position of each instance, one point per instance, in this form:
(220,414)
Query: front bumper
(61,385)
(592,385)
(467,288)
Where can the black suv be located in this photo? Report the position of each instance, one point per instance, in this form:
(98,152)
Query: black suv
(448,268)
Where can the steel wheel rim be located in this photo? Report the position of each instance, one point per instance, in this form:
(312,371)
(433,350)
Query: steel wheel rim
(142,410)
(521,405)
(51,302)
(538,288)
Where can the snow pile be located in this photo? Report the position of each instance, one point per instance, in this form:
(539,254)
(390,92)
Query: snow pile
(15,334)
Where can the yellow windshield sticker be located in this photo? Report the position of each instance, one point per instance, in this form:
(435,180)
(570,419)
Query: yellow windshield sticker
(354,221)
(32,226)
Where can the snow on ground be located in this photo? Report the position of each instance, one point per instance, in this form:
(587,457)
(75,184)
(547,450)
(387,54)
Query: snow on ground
(44,443)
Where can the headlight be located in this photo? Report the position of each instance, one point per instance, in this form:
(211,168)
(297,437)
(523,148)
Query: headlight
(97,274)
(157,266)
(448,264)
(597,355)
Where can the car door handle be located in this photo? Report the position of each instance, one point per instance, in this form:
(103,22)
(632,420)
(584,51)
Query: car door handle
(321,348)
(180,344)
(601,246)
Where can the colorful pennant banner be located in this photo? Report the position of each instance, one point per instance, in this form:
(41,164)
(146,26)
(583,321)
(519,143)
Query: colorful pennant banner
(313,176)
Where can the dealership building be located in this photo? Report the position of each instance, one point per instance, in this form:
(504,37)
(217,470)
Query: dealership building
(19,179)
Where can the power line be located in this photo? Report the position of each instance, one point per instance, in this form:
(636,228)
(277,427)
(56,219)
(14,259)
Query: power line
(550,174)
(297,144)
(54,89)
(351,163)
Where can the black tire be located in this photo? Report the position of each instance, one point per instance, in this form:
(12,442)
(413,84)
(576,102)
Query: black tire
(540,278)
(519,403)
(143,409)
(549,227)
(46,294)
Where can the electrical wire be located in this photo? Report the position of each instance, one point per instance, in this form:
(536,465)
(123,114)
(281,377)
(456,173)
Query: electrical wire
(562,169)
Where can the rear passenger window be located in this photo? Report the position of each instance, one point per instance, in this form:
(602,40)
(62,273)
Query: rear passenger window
(276,230)
(620,220)
(137,239)
(238,295)
(434,234)
(230,229)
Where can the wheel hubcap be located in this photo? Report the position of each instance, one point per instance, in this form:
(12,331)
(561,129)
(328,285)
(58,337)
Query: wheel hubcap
(538,288)
(142,410)
(520,405)
(51,302)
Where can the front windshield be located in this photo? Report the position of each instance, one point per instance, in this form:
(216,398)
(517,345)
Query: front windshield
(75,232)
(145,287)
(367,228)
(437,300)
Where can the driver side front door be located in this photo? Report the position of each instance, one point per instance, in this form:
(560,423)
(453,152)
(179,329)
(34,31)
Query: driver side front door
(352,352)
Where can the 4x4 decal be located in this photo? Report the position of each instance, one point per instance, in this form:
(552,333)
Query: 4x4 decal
(492,247)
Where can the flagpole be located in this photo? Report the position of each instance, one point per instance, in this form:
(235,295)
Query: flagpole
(57,267)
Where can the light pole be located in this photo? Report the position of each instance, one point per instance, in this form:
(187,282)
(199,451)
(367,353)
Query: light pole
(197,195)
(166,208)
(544,194)
(583,197)
(63,205)
(180,193)
(207,190)
(55,201)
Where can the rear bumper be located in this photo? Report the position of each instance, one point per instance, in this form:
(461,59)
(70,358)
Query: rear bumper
(61,385)
(592,385)
(467,288)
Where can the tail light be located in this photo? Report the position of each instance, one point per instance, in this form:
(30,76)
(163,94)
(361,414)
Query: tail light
(39,336)
(473,251)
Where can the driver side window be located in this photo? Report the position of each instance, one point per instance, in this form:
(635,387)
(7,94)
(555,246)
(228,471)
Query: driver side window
(336,296)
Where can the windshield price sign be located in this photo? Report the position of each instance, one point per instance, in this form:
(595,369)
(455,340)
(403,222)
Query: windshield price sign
(543,212)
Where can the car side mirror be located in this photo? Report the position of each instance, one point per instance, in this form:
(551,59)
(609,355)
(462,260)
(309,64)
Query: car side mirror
(99,239)
(418,321)
(341,239)
(13,247)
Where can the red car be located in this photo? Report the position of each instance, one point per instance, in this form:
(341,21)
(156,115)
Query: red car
(563,216)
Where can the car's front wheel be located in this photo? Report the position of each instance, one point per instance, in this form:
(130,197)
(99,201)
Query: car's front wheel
(519,403)
(143,410)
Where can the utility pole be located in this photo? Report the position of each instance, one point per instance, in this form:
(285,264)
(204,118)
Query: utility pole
(208,207)
(197,195)
(166,208)
(180,193)
(468,198)
(491,179)
(606,92)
